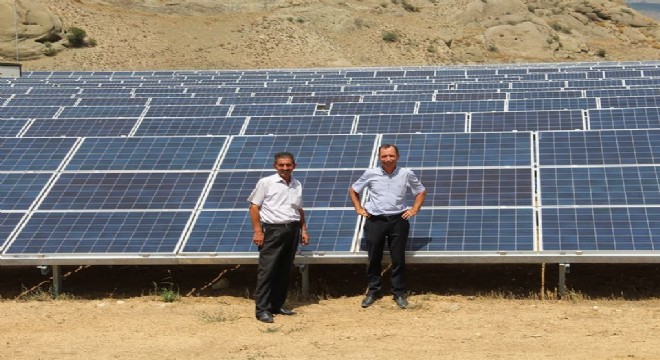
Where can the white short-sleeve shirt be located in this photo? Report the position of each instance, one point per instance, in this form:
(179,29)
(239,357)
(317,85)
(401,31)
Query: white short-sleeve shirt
(280,202)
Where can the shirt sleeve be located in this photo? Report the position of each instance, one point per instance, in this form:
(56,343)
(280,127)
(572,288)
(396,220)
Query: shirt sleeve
(361,183)
(258,194)
(415,185)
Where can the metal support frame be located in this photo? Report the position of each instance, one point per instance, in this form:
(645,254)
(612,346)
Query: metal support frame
(57,280)
(563,270)
(304,272)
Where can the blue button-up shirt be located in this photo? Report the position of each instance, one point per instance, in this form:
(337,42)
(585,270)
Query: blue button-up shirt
(387,192)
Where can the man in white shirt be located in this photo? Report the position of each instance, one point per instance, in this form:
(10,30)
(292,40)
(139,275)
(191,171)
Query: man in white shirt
(278,222)
(387,215)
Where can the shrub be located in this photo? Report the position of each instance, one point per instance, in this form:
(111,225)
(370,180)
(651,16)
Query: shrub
(390,36)
(76,37)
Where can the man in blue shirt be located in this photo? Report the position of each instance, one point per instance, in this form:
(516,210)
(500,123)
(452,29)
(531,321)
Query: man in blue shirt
(387,215)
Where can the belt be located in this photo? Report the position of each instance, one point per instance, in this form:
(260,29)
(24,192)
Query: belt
(290,225)
(387,217)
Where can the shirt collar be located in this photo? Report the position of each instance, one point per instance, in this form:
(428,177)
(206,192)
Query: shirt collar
(382,171)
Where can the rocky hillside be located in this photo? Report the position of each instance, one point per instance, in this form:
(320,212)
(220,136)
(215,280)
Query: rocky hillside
(243,34)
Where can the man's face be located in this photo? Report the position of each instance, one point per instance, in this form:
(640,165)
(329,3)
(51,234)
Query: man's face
(284,167)
(388,157)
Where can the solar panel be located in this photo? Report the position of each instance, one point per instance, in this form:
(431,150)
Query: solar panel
(600,186)
(635,118)
(100,233)
(454,150)
(397,98)
(23,112)
(80,127)
(299,125)
(615,147)
(246,100)
(412,123)
(601,229)
(46,101)
(125,191)
(325,99)
(471,230)
(147,153)
(552,104)
(8,222)
(119,101)
(9,128)
(517,95)
(101,112)
(183,101)
(165,111)
(190,126)
(477,187)
(372,108)
(311,151)
(231,232)
(444,96)
(19,190)
(527,121)
(460,106)
(630,101)
(274,110)
(33,154)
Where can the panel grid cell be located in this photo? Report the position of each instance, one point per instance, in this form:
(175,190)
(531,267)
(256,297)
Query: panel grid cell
(190,126)
(412,123)
(637,118)
(299,125)
(8,222)
(19,190)
(81,127)
(527,121)
(33,154)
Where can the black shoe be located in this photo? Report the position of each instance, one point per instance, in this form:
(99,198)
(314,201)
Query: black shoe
(401,301)
(284,311)
(265,317)
(369,300)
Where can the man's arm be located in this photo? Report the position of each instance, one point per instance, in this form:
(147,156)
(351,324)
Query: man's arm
(258,232)
(355,199)
(303,228)
(419,200)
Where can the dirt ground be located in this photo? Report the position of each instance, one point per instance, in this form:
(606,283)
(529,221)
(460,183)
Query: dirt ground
(457,312)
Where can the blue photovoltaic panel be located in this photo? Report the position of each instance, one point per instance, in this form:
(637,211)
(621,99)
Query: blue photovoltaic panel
(545,94)
(552,104)
(601,229)
(182,101)
(476,187)
(299,125)
(254,100)
(147,153)
(231,231)
(33,154)
(637,118)
(9,128)
(630,102)
(190,126)
(453,150)
(397,97)
(606,147)
(19,190)
(126,101)
(600,186)
(274,110)
(527,121)
(411,123)
(471,230)
(24,112)
(101,112)
(320,188)
(623,92)
(325,99)
(81,127)
(100,232)
(372,108)
(45,101)
(172,111)
(311,151)
(125,191)
(460,106)
(8,222)
(442,96)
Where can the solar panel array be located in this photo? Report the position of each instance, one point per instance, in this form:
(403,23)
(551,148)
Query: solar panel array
(523,163)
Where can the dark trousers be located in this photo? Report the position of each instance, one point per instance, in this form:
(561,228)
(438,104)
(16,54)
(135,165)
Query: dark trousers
(275,262)
(394,231)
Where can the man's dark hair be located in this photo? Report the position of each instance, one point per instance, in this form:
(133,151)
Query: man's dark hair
(284,154)
(387,146)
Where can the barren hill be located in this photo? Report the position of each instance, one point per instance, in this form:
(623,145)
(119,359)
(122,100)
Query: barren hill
(244,34)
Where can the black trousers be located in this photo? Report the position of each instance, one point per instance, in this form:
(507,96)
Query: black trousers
(275,261)
(377,231)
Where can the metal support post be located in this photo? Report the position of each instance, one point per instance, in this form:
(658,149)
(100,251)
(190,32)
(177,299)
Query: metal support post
(563,270)
(304,272)
(57,280)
